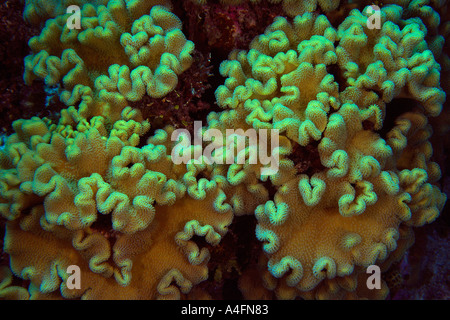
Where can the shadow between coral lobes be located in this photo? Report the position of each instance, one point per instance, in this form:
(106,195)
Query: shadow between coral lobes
(238,251)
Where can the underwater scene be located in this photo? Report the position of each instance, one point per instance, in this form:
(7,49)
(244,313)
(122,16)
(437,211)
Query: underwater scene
(224,149)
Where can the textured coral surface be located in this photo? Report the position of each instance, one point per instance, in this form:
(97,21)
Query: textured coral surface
(89,174)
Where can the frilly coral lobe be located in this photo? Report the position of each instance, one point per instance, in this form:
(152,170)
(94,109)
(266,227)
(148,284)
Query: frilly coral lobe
(362,125)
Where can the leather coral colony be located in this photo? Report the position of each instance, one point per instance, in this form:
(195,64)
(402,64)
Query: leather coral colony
(98,188)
